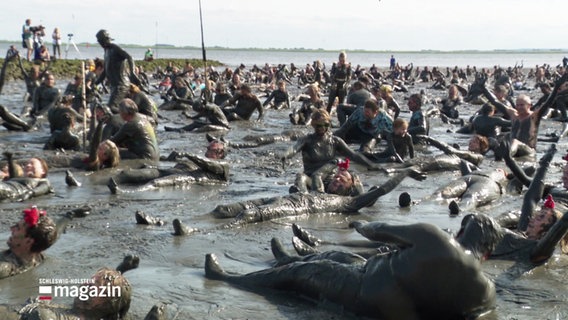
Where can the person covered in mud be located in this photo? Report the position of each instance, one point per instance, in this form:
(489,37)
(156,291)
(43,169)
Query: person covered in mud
(62,119)
(449,109)
(197,170)
(280,96)
(331,178)
(114,305)
(117,63)
(385,93)
(222,95)
(524,121)
(418,123)
(399,145)
(255,141)
(146,104)
(215,118)
(300,203)
(136,134)
(32,79)
(340,77)
(390,286)
(45,97)
(489,125)
(322,147)
(366,126)
(478,146)
(242,105)
(34,183)
(303,115)
(174,97)
(357,97)
(32,235)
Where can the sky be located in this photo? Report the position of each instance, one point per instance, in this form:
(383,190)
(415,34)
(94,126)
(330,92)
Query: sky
(383,25)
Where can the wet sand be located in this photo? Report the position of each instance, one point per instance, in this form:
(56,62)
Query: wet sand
(171,268)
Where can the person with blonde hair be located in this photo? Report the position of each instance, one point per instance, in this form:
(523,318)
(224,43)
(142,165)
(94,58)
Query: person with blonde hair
(56,36)
(302,115)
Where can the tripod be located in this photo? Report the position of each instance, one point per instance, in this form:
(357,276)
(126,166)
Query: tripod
(71,42)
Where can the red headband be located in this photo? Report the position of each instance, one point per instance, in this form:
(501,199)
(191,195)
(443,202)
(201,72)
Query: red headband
(565,157)
(31,216)
(549,202)
(343,165)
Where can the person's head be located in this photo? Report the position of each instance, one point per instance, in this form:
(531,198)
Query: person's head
(404,200)
(114,305)
(36,168)
(453,92)
(34,233)
(501,92)
(215,150)
(321,121)
(127,109)
(342,57)
(541,221)
(108,154)
(49,80)
(357,85)
(478,144)
(245,90)
(523,104)
(103,38)
(29,22)
(371,109)
(385,91)
(133,89)
(487,109)
(415,102)
(313,90)
(399,127)
(342,181)
(479,234)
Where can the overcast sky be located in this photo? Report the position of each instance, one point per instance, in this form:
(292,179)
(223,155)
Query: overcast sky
(357,24)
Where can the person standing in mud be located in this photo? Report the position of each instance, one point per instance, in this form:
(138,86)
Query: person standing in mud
(340,76)
(115,71)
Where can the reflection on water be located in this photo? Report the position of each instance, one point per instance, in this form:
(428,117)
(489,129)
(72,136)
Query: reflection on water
(171,268)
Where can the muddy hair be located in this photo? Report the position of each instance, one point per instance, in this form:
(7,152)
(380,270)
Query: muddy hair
(44,234)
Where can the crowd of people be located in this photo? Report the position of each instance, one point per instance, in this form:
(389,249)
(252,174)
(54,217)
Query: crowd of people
(344,114)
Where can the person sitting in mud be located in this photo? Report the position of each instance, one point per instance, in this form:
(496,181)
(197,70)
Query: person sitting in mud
(449,109)
(390,286)
(111,122)
(242,105)
(197,170)
(114,305)
(366,126)
(32,235)
(222,95)
(136,134)
(62,120)
(180,90)
(303,115)
(45,97)
(280,96)
(215,119)
(146,104)
(331,178)
(524,122)
(399,145)
(356,98)
(385,93)
(33,184)
(418,123)
(487,124)
(299,203)
(322,147)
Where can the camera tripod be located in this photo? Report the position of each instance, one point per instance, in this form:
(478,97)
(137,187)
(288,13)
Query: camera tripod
(71,42)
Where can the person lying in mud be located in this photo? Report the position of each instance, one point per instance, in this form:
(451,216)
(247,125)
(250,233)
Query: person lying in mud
(252,141)
(474,156)
(197,170)
(401,285)
(333,178)
(114,305)
(298,203)
(34,233)
(215,119)
(33,184)
(322,147)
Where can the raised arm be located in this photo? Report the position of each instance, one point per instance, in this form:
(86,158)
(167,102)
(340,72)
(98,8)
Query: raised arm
(550,100)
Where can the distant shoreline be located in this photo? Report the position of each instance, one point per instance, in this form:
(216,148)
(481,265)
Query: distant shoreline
(172,47)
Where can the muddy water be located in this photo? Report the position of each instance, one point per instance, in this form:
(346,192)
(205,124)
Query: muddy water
(171,268)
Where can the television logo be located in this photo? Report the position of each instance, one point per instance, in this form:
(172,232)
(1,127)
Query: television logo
(83,291)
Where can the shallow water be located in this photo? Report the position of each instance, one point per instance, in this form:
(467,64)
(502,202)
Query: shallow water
(171,268)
